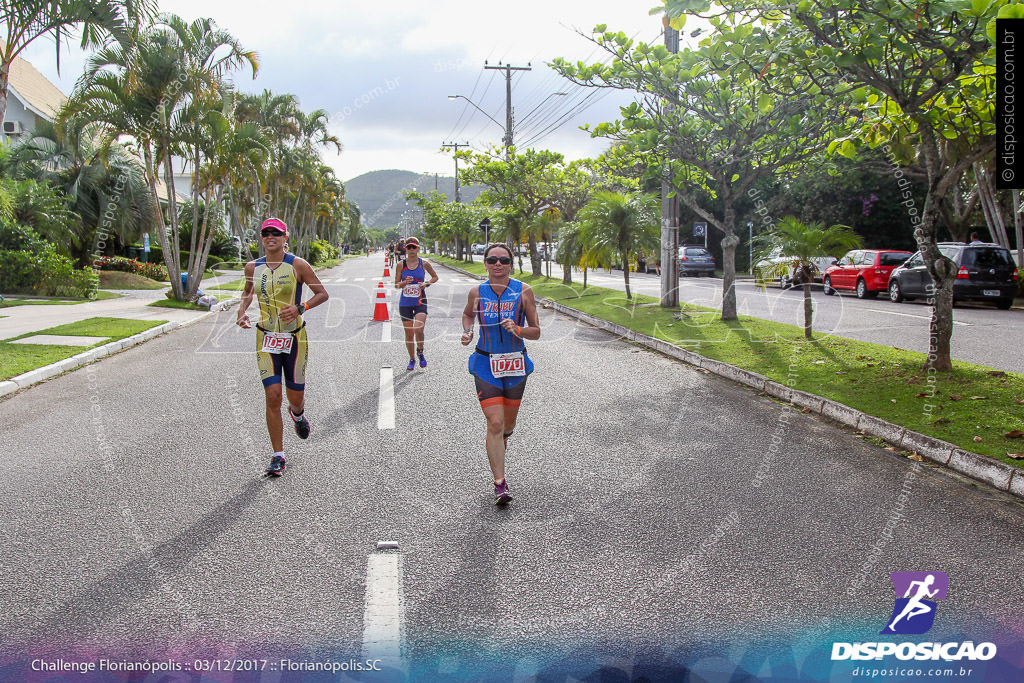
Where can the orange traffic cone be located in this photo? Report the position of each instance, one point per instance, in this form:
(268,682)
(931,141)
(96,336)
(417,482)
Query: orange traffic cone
(387,269)
(380,311)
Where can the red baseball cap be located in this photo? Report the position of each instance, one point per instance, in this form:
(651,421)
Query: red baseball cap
(275,223)
(412,240)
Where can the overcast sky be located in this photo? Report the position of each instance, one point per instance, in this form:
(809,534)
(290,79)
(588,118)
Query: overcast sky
(383,70)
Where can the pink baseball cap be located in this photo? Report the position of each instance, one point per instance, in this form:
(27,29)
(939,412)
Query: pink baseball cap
(275,223)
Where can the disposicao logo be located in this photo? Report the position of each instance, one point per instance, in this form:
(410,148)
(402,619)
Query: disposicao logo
(914,612)
(917,594)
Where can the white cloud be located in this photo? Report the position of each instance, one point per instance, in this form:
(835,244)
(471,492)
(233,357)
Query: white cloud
(384,72)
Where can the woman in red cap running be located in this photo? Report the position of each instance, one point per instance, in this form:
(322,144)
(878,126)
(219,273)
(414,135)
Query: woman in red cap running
(276,281)
(410,276)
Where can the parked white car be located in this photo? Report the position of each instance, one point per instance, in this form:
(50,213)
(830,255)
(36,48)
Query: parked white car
(781,269)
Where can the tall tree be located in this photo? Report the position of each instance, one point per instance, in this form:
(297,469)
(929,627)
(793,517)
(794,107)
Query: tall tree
(711,115)
(153,91)
(519,184)
(24,21)
(920,67)
(619,225)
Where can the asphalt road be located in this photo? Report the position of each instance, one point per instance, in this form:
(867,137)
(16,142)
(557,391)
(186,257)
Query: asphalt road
(981,334)
(663,517)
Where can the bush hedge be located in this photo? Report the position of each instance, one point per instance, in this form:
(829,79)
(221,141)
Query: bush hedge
(21,238)
(45,274)
(156,255)
(320,251)
(153,271)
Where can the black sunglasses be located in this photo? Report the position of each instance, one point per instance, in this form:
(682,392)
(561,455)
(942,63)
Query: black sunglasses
(503,260)
(267,232)
(412,246)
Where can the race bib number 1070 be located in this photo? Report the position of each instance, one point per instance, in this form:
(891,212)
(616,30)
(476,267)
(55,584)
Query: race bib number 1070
(277,342)
(508,364)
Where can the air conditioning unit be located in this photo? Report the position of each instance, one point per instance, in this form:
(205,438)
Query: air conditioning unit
(12,127)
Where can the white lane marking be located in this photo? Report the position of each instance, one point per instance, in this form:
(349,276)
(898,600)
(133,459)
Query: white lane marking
(384,613)
(386,399)
(911,315)
(385,332)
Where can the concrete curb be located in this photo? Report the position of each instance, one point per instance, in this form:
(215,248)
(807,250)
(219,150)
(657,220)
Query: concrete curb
(46,372)
(979,467)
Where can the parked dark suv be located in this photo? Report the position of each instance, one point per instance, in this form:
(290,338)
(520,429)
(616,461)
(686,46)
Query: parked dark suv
(985,272)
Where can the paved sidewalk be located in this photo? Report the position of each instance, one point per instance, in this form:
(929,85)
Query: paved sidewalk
(19,320)
(132,305)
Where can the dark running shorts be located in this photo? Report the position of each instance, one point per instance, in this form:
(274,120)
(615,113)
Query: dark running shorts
(409,312)
(491,395)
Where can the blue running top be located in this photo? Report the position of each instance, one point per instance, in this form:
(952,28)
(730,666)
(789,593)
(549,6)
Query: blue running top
(492,309)
(419,275)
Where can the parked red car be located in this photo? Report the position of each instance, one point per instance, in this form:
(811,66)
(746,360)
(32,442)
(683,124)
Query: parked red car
(865,271)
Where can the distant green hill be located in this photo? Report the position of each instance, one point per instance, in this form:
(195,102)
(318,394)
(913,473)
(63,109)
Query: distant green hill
(380,194)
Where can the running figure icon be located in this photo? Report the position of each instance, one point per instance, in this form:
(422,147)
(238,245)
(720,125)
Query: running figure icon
(915,606)
(917,593)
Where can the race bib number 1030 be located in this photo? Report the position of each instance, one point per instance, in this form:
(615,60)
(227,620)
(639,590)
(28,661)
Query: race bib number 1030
(277,342)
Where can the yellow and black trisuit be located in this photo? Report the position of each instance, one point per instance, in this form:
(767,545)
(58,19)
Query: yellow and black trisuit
(276,288)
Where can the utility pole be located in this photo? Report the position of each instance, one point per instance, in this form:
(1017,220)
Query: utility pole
(669,212)
(508,69)
(456,145)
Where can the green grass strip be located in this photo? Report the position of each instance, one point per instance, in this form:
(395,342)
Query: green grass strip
(174,303)
(13,300)
(231,286)
(973,406)
(16,359)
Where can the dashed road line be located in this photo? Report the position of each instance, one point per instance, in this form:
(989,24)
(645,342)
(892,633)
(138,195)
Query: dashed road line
(384,613)
(386,399)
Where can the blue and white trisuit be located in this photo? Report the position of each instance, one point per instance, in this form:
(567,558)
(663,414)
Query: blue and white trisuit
(500,363)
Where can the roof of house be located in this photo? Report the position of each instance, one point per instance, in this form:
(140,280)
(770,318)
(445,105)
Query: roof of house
(39,95)
(161,192)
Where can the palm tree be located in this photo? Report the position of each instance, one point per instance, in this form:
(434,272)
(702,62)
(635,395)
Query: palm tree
(619,224)
(155,91)
(802,242)
(103,190)
(314,130)
(570,251)
(24,21)
(234,155)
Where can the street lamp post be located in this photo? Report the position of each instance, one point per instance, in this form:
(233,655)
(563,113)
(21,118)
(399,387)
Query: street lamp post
(523,120)
(750,247)
(508,133)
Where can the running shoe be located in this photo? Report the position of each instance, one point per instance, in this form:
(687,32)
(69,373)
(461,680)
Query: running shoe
(411,365)
(277,465)
(501,494)
(423,361)
(301,424)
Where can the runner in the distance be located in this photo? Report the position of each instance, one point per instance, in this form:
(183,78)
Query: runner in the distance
(410,276)
(507,312)
(276,281)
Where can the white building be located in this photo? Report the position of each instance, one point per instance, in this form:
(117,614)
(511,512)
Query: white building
(30,97)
